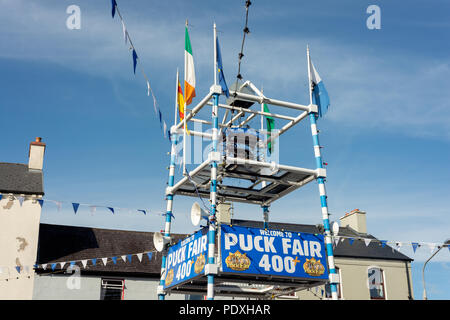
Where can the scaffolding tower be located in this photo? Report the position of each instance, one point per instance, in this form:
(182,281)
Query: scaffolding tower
(264,182)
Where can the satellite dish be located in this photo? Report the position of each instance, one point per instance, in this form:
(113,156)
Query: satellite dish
(335,228)
(197,214)
(160,241)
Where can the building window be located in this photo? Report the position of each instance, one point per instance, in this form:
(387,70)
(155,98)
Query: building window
(376,283)
(328,287)
(112,289)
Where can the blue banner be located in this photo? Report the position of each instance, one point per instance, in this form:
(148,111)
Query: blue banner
(273,252)
(187,259)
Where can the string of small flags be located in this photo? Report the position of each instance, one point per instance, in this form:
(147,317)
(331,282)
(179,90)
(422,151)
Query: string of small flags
(135,57)
(398,245)
(26,270)
(75,205)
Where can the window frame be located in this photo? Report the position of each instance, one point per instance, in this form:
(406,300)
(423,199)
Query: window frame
(104,285)
(383,283)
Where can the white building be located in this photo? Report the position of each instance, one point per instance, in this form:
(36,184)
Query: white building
(20,187)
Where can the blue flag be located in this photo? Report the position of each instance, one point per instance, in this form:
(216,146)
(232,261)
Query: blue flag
(222,81)
(319,93)
(383,243)
(351,240)
(134,60)
(415,245)
(149,254)
(111,209)
(41,202)
(113,10)
(75,207)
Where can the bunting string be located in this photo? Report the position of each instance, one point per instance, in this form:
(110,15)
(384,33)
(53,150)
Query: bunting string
(135,57)
(76,205)
(397,244)
(246,31)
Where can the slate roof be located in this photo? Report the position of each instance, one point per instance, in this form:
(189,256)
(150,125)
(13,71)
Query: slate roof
(18,179)
(59,243)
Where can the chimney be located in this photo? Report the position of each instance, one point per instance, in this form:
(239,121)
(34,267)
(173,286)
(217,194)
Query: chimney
(36,155)
(356,220)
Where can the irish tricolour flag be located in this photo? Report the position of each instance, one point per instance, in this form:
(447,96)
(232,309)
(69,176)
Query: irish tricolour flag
(189,70)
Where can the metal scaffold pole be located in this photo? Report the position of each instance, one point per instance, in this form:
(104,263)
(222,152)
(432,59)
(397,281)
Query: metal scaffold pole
(211,270)
(169,214)
(266,216)
(323,195)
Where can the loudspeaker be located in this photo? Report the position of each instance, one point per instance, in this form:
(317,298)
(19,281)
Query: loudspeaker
(160,241)
(197,214)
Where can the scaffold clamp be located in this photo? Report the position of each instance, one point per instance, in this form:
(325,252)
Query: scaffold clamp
(211,269)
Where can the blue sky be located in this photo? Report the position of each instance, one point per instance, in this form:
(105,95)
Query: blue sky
(386,135)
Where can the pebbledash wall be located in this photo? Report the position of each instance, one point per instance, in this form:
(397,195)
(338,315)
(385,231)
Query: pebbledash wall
(20,223)
(355,283)
(19,237)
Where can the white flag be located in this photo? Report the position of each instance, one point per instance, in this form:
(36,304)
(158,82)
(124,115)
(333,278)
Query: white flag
(104,261)
(92,209)
(84,263)
(367,242)
(44,266)
(62,264)
(124,258)
(432,246)
(336,241)
(139,255)
(59,205)
(125,32)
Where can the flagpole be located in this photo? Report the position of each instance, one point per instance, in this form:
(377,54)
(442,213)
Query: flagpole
(176,98)
(184,118)
(309,74)
(215,54)
(211,266)
(333,276)
(169,214)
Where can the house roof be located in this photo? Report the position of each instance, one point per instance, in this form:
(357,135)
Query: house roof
(18,179)
(59,243)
